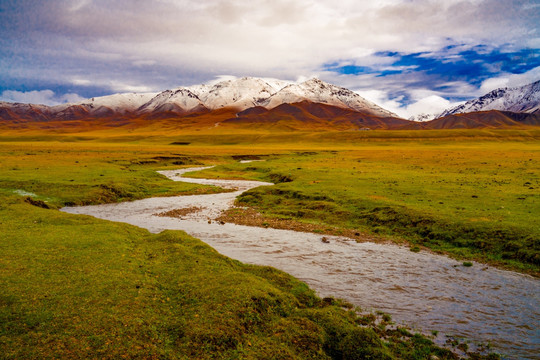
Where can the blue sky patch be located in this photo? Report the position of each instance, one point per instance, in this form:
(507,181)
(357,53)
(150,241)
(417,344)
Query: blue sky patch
(348,69)
(473,65)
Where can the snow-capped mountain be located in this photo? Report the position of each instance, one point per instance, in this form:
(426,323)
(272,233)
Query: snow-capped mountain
(241,93)
(238,94)
(121,103)
(318,91)
(525,99)
(180,100)
(248,92)
(14,111)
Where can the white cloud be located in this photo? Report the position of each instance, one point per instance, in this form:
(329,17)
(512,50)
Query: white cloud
(83,82)
(493,83)
(70,98)
(45,97)
(118,86)
(144,62)
(425,102)
(509,80)
(78,5)
(261,37)
(432,104)
(124,46)
(114,85)
(380,98)
(33,97)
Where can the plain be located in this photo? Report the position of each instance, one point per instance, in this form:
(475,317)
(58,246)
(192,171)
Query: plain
(78,287)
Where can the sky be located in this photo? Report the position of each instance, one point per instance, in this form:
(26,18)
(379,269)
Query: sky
(408,56)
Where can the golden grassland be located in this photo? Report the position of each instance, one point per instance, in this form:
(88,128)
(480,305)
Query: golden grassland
(78,287)
(473,194)
(475,199)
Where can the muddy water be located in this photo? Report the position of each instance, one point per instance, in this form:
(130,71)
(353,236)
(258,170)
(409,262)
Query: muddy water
(422,290)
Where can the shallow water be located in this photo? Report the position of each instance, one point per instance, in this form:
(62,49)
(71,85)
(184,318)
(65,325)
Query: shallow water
(423,290)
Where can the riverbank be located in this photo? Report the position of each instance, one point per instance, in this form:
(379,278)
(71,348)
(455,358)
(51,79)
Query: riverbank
(475,201)
(55,174)
(432,292)
(78,287)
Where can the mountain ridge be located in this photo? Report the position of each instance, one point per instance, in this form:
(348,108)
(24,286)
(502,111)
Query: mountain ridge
(240,94)
(521,99)
(261,103)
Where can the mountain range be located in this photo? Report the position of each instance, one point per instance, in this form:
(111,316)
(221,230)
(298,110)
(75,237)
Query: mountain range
(523,99)
(238,94)
(270,103)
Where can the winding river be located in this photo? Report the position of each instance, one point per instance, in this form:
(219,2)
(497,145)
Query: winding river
(422,290)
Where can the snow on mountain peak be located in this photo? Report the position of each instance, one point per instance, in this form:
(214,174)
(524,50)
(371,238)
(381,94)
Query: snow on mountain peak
(179,100)
(239,94)
(117,103)
(518,99)
(244,93)
(316,90)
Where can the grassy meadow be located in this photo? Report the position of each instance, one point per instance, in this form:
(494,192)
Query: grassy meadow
(475,200)
(78,287)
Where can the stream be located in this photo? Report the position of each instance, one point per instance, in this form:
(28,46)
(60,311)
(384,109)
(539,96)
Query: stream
(422,290)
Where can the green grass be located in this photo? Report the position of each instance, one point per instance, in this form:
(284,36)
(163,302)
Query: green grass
(73,286)
(75,174)
(476,198)
(473,199)
(78,287)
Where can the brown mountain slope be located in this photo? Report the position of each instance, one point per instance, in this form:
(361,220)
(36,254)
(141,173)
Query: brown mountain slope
(23,112)
(301,116)
(307,115)
(484,119)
